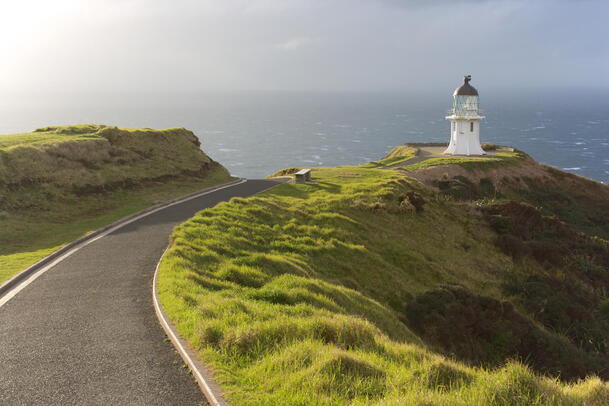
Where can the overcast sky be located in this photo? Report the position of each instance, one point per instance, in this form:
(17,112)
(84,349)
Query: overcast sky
(335,45)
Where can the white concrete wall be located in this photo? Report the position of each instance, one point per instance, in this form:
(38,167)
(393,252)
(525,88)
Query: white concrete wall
(463,141)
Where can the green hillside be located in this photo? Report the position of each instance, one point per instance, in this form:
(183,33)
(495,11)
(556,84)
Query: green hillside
(58,183)
(447,284)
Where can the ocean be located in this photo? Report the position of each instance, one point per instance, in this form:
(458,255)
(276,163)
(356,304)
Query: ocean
(254,134)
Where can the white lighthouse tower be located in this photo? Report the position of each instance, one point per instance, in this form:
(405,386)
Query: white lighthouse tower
(465,122)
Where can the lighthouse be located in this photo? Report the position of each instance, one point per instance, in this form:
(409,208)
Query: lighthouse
(465,121)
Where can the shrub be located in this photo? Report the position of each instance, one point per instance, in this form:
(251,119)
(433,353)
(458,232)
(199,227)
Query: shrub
(486,331)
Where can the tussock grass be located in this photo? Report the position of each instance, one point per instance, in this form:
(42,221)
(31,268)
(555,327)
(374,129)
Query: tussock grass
(297,296)
(99,160)
(58,183)
(49,135)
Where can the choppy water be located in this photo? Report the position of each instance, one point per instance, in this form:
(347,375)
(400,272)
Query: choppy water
(255,134)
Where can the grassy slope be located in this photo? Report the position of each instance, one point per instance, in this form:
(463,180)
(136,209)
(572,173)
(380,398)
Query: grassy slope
(471,163)
(59,183)
(297,296)
(50,135)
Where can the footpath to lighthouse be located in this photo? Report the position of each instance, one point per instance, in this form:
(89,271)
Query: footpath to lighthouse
(85,331)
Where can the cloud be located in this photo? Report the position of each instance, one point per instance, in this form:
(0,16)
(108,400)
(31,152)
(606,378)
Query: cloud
(191,45)
(294,43)
(430,4)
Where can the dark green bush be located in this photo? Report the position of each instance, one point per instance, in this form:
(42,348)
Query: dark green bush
(483,330)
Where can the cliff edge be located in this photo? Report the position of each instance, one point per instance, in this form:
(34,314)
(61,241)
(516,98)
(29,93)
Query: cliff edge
(58,183)
(85,159)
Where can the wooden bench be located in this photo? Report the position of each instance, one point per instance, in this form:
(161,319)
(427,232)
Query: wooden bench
(303,176)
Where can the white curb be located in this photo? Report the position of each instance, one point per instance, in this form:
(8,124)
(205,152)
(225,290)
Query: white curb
(202,374)
(17,283)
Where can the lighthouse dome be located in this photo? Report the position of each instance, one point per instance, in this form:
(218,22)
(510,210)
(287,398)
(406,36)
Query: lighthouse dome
(466,89)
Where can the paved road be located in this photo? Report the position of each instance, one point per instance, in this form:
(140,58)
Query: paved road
(85,332)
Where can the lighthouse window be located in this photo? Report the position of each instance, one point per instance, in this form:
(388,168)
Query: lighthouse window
(471,126)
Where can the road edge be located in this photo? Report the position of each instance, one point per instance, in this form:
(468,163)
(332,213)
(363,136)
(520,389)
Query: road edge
(201,373)
(13,282)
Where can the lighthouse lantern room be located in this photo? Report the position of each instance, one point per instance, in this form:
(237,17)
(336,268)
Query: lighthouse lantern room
(465,121)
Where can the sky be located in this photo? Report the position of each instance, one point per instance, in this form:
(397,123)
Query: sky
(310,45)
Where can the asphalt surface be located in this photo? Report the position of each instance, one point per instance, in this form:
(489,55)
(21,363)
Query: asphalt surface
(85,332)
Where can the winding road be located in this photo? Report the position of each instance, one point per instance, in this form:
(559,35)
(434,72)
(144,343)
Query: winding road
(85,331)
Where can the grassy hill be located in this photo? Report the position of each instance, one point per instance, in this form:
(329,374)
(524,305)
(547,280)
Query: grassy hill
(58,183)
(445,284)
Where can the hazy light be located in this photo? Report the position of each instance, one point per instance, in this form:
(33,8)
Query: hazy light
(190,45)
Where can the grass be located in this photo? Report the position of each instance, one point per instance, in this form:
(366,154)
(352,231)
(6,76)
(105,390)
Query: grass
(397,155)
(59,183)
(471,163)
(49,135)
(579,201)
(26,238)
(89,158)
(297,296)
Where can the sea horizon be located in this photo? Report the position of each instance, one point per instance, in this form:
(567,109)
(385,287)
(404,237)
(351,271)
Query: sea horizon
(255,133)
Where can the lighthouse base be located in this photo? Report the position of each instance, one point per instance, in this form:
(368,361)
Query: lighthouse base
(446,153)
(472,150)
(467,144)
